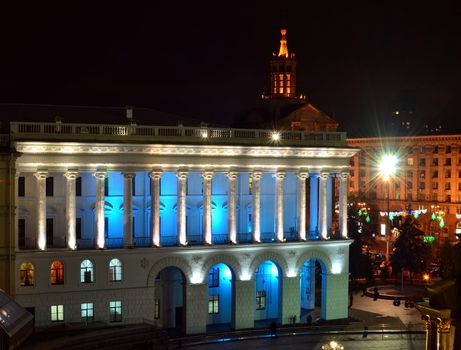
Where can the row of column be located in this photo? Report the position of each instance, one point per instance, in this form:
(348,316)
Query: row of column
(155,176)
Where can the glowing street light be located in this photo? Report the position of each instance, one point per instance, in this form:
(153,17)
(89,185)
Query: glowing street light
(276,136)
(332,345)
(387,169)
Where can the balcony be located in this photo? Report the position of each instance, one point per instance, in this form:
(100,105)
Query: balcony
(29,131)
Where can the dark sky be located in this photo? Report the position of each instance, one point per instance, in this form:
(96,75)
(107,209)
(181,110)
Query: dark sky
(210,61)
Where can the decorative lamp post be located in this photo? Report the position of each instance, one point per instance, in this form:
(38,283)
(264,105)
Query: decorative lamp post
(332,345)
(388,168)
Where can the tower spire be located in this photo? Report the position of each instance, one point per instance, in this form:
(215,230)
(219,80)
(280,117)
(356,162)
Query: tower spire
(283,52)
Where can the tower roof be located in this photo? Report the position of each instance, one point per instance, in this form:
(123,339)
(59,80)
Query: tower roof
(283,51)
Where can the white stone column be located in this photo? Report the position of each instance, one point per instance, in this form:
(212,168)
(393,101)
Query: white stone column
(256,227)
(279,176)
(343,204)
(232,206)
(244,304)
(302,176)
(100,198)
(291,303)
(155,207)
(207,179)
(71,208)
(323,205)
(196,310)
(335,296)
(128,209)
(181,207)
(41,209)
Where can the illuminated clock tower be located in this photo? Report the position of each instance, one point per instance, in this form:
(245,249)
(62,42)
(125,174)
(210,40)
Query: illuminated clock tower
(282,73)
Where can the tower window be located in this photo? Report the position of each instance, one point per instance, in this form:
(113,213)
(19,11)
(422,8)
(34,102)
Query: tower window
(49,186)
(78,186)
(21,186)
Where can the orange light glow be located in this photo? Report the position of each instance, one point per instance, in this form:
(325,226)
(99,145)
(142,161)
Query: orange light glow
(283,52)
(426,277)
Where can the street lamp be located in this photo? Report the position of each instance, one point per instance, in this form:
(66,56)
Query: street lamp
(387,168)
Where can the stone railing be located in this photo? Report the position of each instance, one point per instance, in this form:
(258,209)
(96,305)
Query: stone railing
(182,134)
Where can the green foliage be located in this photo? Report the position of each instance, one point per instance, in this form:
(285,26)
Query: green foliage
(410,251)
(360,265)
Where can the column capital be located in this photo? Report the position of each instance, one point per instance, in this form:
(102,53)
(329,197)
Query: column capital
(443,325)
(324,174)
(302,175)
(155,174)
(280,174)
(256,174)
(100,174)
(207,174)
(41,174)
(128,174)
(70,174)
(182,174)
(232,174)
(344,175)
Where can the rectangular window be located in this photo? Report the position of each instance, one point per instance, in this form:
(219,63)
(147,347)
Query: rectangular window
(157,309)
(87,312)
(422,150)
(106,186)
(435,174)
(448,174)
(213,304)
(106,227)
(435,161)
(448,197)
(422,162)
(448,149)
(78,186)
(21,186)
(352,173)
(435,186)
(459,186)
(21,233)
(115,311)
(49,186)
(436,149)
(410,161)
(409,185)
(422,185)
(49,231)
(448,186)
(410,174)
(447,161)
(78,228)
(260,300)
(422,174)
(362,173)
(57,313)
(133,185)
(213,278)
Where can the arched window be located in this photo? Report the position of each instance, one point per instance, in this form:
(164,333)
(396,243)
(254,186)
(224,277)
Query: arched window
(86,271)
(26,273)
(115,270)
(57,272)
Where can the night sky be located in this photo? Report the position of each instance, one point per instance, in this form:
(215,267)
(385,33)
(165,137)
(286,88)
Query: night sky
(356,61)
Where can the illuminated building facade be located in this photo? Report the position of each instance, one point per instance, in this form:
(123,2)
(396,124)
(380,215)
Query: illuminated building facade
(428,178)
(183,226)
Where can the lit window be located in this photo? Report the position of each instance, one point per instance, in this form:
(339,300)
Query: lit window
(213,304)
(57,313)
(26,272)
(57,272)
(260,300)
(87,312)
(410,161)
(157,309)
(86,271)
(115,270)
(115,311)
(213,278)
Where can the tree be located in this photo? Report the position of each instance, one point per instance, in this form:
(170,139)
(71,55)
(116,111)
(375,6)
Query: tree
(360,265)
(410,251)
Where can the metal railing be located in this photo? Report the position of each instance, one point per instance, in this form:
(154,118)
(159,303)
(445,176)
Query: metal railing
(145,241)
(31,130)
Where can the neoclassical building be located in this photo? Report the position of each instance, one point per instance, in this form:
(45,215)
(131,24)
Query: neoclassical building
(185,227)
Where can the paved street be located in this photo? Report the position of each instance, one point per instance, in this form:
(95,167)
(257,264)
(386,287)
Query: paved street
(376,342)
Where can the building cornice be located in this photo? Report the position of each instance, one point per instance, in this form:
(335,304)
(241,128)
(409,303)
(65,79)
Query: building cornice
(28,147)
(410,140)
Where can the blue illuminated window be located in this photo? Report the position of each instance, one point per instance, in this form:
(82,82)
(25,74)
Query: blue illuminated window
(115,311)
(133,185)
(87,312)
(213,278)
(106,186)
